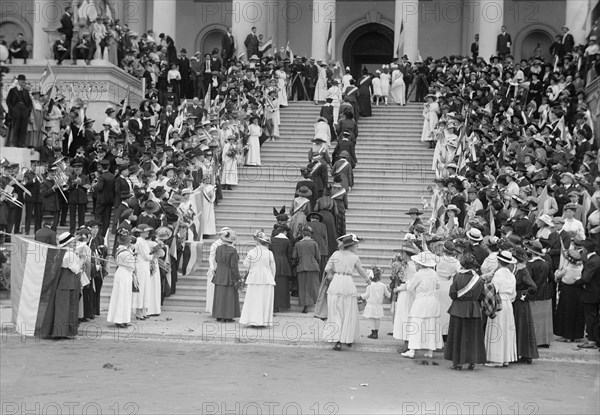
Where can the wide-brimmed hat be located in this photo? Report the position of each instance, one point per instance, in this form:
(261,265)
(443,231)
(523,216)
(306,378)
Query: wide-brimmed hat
(262,237)
(314,215)
(143,228)
(65,238)
(163,233)
(571,206)
(573,256)
(304,192)
(413,211)
(227,234)
(535,247)
(408,247)
(450,247)
(547,219)
(506,257)
(474,234)
(426,259)
(453,208)
(347,240)
(151,206)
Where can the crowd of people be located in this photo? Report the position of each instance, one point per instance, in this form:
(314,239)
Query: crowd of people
(510,249)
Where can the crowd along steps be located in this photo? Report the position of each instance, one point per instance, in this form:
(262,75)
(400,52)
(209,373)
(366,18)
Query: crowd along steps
(392,175)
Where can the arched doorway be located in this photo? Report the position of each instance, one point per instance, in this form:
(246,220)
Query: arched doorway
(370,46)
(531,41)
(210,39)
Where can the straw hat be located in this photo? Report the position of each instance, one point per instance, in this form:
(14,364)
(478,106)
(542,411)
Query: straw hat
(506,257)
(426,259)
(65,238)
(347,240)
(474,234)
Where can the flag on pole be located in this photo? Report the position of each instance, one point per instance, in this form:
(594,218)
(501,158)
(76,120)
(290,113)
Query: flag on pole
(207,97)
(399,41)
(289,52)
(47,78)
(266,46)
(125,104)
(330,42)
(587,205)
(35,268)
(419,58)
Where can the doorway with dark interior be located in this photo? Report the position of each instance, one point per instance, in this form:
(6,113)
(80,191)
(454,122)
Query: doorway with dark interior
(368,46)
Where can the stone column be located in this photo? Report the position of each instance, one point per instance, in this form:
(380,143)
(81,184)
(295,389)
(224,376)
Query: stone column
(164,18)
(470,26)
(44,10)
(578,19)
(323,19)
(247,14)
(281,36)
(134,15)
(491,19)
(407,17)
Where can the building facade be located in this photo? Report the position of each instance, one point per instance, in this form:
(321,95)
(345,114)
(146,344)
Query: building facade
(355,32)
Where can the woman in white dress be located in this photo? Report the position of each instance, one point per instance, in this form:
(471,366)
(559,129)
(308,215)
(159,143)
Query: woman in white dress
(119,308)
(257,310)
(342,304)
(446,268)
(272,118)
(229,174)
(500,331)
(403,269)
(321,88)
(335,93)
(386,80)
(207,218)
(376,85)
(430,114)
(142,270)
(254,132)
(424,318)
(398,88)
(282,85)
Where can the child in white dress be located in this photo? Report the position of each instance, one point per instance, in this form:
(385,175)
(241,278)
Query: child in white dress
(374,296)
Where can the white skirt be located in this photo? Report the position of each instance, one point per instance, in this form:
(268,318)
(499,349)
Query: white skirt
(258,305)
(403,305)
(424,333)
(253,156)
(119,308)
(342,307)
(373,311)
(501,336)
(210,294)
(152,295)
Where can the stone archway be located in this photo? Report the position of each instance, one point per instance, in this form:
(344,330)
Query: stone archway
(370,45)
(9,27)
(526,40)
(209,38)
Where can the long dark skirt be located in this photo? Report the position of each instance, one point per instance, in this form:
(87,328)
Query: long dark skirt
(569,321)
(525,329)
(226,302)
(282,292)
(465,342)
(88,301)
(308,287)
(66,313)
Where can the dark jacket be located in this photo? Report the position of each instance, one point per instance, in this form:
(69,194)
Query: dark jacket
(122,190)
(307,253)
(590,280)
(105,189)
(50,202)
(77,193)
(282,252)
(466,306)
(46,235)
(227,272)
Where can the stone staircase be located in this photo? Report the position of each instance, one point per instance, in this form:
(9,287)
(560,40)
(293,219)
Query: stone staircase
(393,170)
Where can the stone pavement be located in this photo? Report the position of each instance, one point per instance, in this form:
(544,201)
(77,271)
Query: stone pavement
(291,329)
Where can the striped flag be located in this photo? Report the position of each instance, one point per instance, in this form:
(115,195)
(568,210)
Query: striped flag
(47,80)
(266,46)
(35,268)
(330,42)
(399,49)
(207,98)
(289,52)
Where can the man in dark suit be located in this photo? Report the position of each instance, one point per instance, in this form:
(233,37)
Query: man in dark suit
(185,71)
(46,152)
(251,44)
(227,47)
(503,43)
(105,190)
(123,192)
(312,75)
(590,297)
(79,183)
(50,194)
(19,104)
(18,49)
(66,28)
(45,234)
(475,48)
(33,202)
(567,41)
(61,49)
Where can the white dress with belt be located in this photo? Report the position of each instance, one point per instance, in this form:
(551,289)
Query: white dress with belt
(260,293)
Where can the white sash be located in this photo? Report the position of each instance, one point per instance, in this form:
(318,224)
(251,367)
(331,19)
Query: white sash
(469,286)
(339,193)
(341,167)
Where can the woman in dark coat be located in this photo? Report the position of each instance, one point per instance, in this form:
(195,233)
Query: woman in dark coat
(306,254)
(569,321)
(364,95)
(525,329)
(315,221)
(465,342)
(351,95)
(340,198)
(327,208)
(282,252)
(226,304)
(541,303)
